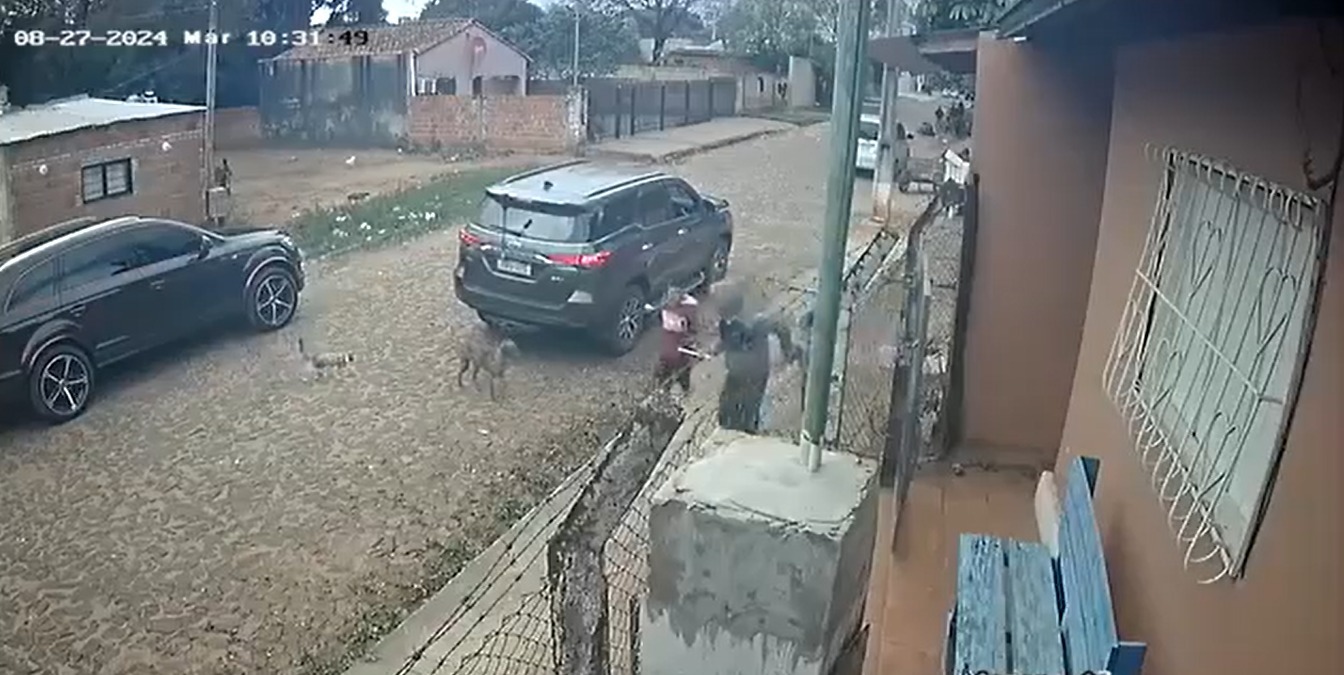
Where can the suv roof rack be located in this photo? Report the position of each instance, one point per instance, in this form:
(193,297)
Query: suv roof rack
(619,185)
(32,240)
(540,170)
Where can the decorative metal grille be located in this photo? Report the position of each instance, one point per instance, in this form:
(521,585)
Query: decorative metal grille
(1208,347)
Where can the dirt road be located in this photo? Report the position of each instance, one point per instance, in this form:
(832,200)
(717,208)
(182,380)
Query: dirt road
(220,511)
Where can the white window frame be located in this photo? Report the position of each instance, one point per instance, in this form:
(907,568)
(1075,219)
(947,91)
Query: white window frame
(1206,360)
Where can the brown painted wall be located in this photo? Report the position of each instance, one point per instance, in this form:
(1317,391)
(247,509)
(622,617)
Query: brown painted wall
(520,123)
(1230,97)
(1040,150)
(164,183)
(237,127)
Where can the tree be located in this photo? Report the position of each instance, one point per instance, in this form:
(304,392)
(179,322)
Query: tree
(517,21)
(685,24)
(606,40)
(358,12)
(935,15)
(660,19)
(770,31)
(932,15)
(501,16)
(175,72)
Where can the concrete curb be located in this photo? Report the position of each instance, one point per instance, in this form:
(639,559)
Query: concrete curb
(675,155)
(689,152)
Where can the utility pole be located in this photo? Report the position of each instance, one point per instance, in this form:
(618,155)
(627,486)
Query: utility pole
(576,43)
(884,178)
(851,55)
(211,74)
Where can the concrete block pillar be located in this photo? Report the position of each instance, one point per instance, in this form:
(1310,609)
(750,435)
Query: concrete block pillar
(757,567)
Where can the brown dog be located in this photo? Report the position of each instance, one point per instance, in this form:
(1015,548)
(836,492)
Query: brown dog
(485,350)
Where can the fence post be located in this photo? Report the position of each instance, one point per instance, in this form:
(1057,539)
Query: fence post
(710,98)
(914,323)
(662,106)
(634,118)
(686,110)
(616,110)
(956,363)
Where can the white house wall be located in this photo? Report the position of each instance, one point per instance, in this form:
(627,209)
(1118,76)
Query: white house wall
(453,59)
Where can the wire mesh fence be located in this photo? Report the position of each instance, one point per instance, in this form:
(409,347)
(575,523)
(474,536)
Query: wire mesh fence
(523,643)
(900,311)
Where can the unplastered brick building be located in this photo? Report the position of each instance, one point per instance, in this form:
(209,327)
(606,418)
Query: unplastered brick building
(85,156)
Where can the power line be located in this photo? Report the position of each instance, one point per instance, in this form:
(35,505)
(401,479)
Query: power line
(149,71)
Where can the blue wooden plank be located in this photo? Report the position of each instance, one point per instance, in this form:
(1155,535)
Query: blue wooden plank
(1127,658)
(1035,644)
(1089,616)
(981,623)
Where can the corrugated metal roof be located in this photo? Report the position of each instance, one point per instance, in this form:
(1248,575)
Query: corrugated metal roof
(58,117)
(409,36)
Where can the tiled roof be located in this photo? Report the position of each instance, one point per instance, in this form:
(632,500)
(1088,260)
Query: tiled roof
(79,112)
(410,36)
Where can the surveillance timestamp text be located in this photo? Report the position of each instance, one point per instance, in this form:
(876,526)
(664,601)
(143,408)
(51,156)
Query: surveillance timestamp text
(163,38)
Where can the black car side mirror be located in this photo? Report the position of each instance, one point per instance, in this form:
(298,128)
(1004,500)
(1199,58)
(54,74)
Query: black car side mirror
(205,247)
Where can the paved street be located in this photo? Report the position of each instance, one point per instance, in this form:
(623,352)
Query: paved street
(219,511)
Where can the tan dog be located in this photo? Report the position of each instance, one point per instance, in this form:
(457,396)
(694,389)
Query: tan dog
(323,362)
(485,350)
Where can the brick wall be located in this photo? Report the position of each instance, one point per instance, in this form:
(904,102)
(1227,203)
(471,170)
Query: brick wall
(164,182)
(237,127)
(543,124)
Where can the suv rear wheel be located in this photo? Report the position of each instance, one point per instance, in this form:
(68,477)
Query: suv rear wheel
(60,383)
(621,331)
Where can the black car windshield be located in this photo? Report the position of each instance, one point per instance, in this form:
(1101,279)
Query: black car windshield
(535,220)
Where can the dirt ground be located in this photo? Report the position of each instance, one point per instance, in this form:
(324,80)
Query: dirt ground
(272,186)
(219,510)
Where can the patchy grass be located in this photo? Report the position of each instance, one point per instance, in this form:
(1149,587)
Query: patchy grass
(800,116)
(378,220)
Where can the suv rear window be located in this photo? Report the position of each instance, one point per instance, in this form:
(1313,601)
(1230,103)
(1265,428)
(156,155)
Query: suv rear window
(535,220)
(869,131)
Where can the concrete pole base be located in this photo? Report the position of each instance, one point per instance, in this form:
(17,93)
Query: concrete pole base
(757,565)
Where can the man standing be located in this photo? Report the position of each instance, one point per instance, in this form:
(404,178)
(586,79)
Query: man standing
(745,343)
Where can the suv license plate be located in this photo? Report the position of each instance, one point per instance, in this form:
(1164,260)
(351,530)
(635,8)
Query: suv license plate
(515,267)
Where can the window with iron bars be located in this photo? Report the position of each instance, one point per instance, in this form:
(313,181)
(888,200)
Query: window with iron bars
(1209,348)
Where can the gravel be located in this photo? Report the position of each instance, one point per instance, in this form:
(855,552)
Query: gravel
(221,510)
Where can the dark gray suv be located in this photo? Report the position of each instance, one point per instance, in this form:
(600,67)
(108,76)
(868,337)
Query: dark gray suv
(587,245)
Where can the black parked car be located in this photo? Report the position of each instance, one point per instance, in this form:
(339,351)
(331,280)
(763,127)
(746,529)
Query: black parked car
(587,245)
(84,294)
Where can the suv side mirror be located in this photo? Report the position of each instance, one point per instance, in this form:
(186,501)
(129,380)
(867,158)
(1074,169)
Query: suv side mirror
(204,247)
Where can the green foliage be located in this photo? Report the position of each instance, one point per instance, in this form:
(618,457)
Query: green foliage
(358,12)
(606,40)
(656,19)
(448,200)
(502,16)
(931,15)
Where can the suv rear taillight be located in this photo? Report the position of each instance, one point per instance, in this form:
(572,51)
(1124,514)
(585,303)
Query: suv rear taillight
(586,261)
(467,239)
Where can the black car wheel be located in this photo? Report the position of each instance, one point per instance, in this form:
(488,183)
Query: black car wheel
(272,298)
(718,262)
(60,383)
(626,323)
